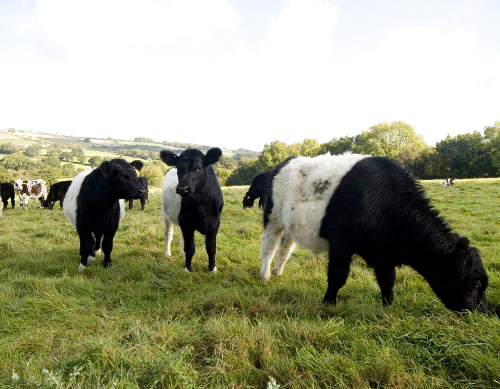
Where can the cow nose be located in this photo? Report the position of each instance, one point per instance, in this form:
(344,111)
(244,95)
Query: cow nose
(182,189)
(140,191)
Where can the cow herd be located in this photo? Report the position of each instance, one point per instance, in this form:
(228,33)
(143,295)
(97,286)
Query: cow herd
(343,205)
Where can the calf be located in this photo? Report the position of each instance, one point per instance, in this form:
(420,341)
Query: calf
(372,207)
(192,198)
(35,189)
(257,190)
(93,206)
(57,192)
(7,192)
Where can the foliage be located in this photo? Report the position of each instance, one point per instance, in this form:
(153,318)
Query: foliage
(68,170)
(5,175)
(51,175)
(396,140)
(32,151)
(18,161)
(94,161)
(9,148)
(245,172)
(153,173)
(337,146)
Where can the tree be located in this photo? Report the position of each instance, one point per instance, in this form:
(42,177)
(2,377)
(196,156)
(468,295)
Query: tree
(66,155)
(337,146)
(32,151)
(95,161)
(78,153)
(68,170)
(274,153)
(309,147)
(51,175)
(153,173)
(245,172)
(397,140)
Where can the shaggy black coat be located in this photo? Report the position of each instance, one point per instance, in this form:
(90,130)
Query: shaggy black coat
(7,192)
(202,199)
(98,209)
(57,192)
(257,190)
(379,212)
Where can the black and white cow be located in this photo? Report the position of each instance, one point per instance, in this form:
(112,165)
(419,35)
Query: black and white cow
(448,182)
(57,192)
(372,207)
(7,192)
(92,205)
(192,198)
(26,190)
(144,197)
(257,190)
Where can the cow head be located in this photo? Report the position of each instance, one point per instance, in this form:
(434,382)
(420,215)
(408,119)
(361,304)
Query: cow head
(191,167)
(248,201)
(463,286)
(122,179)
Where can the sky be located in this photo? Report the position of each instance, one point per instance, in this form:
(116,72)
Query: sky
(240,74)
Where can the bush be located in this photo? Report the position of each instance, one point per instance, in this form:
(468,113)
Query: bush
(153,173)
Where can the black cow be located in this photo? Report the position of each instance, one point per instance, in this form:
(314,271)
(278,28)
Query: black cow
(7,192)
(372,207)
(57,192)
(144,197)
(192,198)
(94,207)
(257,190)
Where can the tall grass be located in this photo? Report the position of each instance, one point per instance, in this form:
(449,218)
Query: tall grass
(145,323)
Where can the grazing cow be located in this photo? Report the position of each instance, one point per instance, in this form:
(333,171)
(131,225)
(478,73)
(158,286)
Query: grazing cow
(92,205)
(35,189)
(372,207)
(448,182)
(57,192)
(257,190)
(144,197)
(192,198)
(7,192)
(1,202)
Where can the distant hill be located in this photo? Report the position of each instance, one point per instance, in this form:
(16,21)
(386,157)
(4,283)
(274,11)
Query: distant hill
(112,146)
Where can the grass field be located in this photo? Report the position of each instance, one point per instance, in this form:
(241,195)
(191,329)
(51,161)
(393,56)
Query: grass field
(145,323)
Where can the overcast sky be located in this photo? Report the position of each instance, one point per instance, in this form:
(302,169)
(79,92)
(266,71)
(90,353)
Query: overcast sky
(235,73)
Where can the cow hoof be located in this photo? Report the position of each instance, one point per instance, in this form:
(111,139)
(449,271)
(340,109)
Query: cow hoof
(81,268)
(90,258)
(187,270)
(264,276)
(168,254)
(214,270)
(98,252)
(277,272)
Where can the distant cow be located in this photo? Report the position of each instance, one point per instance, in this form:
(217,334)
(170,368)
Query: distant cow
(448,182)
(257,190)
(35,189)
(192,198)
(372,207)
(57,192)
(7,192)
(138,165)
(93,206)
(1,202)
(144,197)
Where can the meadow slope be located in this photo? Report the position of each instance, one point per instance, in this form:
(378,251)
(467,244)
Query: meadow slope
(145,323)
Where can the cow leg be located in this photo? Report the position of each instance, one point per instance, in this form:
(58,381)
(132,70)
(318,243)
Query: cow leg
(143,202)
(211,246)
(86,247)
(169,235)
(97,246)
(386,276)
(286,247)
(338,271)
(270,242)
(130,203)
(61,203)
(189,246)
(107,247)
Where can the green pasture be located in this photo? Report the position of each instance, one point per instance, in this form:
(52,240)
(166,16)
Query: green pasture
(145,323)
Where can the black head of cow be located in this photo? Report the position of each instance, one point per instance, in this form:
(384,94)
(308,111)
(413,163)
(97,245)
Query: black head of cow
(122,179)
(465,280)
(248,200)
(191,167)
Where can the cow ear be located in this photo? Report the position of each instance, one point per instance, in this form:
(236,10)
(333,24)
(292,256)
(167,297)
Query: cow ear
(462,244)
(213,155)
(168,157)
(106,168)
(137,164)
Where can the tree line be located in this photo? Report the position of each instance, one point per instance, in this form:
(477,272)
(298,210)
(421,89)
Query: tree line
(470,155)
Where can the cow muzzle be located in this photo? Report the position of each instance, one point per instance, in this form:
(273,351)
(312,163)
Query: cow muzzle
(183,190)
